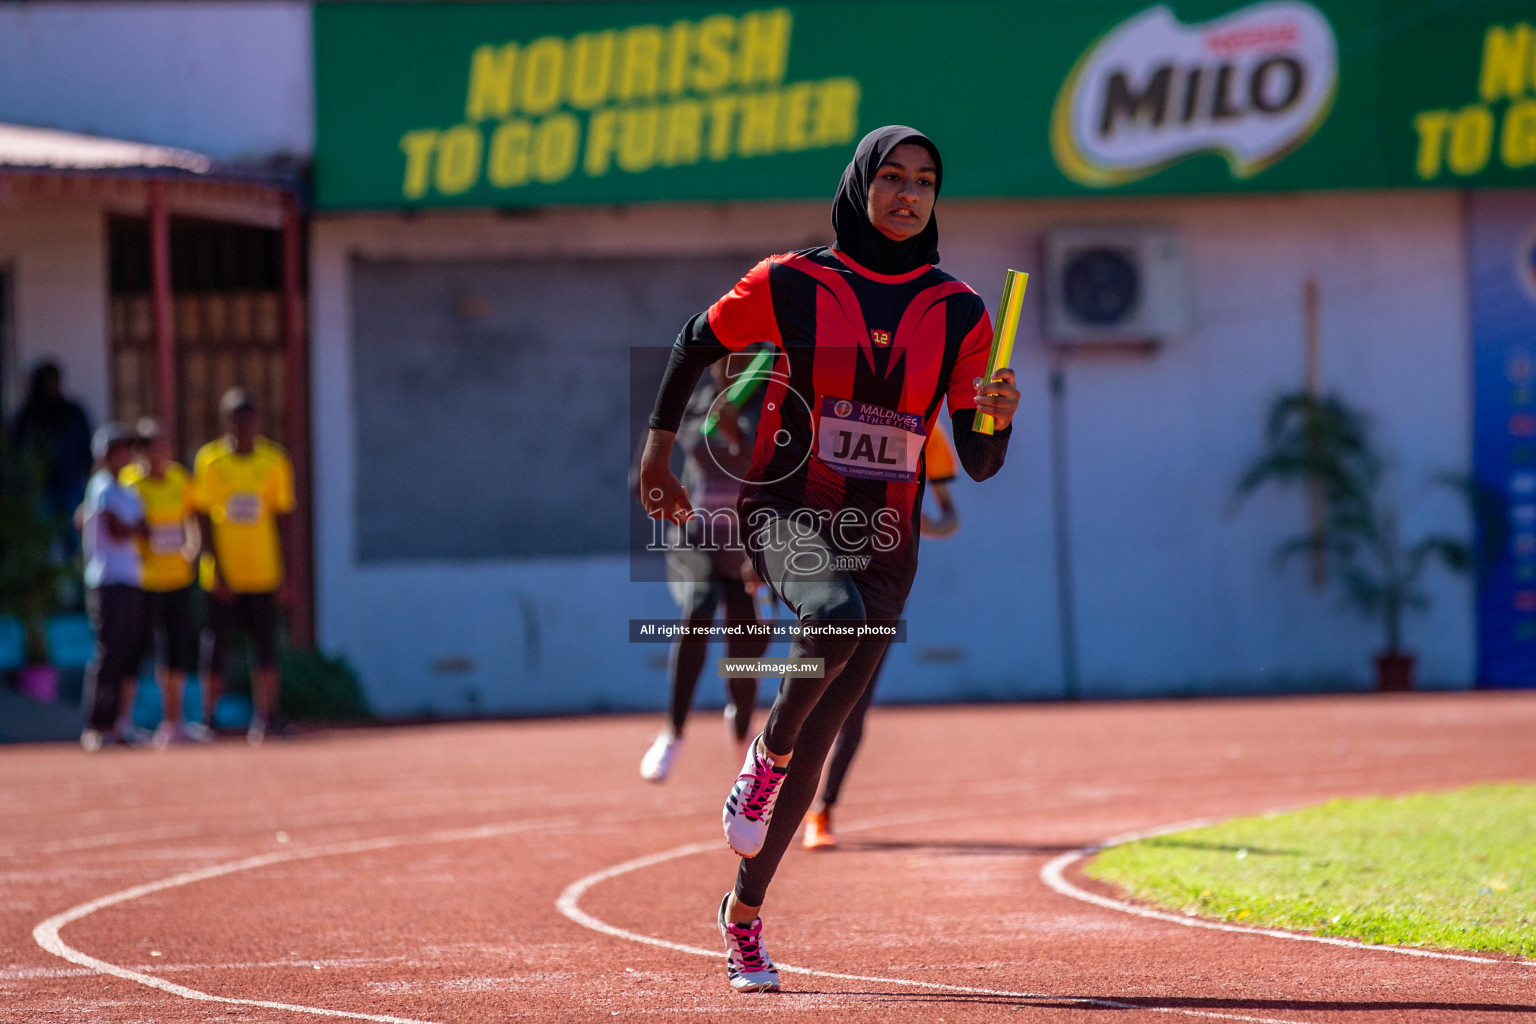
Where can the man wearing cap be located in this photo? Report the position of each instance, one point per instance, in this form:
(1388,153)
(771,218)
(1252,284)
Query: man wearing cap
(169,549)
(111,523)
(244,494)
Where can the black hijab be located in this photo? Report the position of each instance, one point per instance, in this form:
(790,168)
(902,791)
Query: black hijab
(860,239)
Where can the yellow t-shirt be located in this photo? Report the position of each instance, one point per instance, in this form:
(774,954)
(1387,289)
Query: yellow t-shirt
(210,451)
(168,551)
(243,495)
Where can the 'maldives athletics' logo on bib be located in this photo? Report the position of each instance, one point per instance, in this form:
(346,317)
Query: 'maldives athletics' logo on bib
(1252,85)
(869,441)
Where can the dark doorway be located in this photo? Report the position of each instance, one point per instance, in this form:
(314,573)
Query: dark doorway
(227,313)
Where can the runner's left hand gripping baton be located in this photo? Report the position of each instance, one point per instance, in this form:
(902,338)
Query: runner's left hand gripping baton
(1008,312)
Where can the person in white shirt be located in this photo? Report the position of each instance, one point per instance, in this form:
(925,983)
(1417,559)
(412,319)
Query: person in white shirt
(112,521)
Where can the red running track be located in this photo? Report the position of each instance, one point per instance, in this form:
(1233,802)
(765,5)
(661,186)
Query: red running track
(414,874)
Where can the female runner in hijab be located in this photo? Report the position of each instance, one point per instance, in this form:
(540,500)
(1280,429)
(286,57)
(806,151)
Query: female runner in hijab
(872,337)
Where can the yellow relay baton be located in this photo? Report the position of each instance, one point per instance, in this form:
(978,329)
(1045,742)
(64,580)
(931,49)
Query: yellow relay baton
(1002,337)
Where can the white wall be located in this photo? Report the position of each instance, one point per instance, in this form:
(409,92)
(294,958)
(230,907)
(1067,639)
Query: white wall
(543,636)
(1175,593)
(56,254)
(232,80)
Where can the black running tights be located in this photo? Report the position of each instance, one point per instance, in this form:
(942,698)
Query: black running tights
(808,713)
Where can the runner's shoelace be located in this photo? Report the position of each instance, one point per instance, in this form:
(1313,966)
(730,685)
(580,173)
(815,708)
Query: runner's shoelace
(749,946)
(765,783)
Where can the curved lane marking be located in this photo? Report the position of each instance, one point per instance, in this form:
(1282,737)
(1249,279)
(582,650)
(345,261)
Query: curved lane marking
(569,904)
(1053,874)
(47,936)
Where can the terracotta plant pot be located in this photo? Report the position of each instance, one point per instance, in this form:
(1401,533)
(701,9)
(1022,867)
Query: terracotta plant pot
(1394,671)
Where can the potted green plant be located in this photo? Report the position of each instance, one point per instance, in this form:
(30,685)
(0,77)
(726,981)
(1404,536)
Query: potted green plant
(30,575)
(1321,444)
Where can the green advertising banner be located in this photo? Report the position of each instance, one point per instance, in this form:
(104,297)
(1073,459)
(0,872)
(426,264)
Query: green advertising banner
(1461,98)
(517,104)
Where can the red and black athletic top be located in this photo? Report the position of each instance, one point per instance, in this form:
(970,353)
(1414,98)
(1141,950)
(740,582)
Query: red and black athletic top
(864,362)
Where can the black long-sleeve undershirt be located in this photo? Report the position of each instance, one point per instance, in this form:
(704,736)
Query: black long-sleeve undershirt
(982,455)
(696,350)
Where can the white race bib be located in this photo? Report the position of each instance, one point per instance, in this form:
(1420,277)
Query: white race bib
(243,508)
(870,441)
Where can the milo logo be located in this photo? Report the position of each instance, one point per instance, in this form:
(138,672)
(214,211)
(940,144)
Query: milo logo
(1252,85)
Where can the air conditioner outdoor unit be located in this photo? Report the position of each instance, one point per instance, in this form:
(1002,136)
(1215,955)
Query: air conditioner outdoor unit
(1114,285)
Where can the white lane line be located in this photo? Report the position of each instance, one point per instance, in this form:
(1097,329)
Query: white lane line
(28,973)
(569,904)
(47,936)
(108,839)
(1053,874)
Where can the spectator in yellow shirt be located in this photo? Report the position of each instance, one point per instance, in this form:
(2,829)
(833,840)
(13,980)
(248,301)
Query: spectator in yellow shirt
(244,494)
(169,555)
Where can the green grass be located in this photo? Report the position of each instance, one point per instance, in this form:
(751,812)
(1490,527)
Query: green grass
(1450,870)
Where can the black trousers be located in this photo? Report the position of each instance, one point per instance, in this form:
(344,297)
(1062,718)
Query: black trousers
(804,570)
(256,614)
(119,618)
(172,626)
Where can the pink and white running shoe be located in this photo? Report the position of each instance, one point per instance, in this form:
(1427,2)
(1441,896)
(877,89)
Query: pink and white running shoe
(749,808)
(747,964)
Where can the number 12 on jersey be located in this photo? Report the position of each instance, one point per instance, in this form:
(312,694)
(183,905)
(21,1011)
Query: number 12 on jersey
(1008,312)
